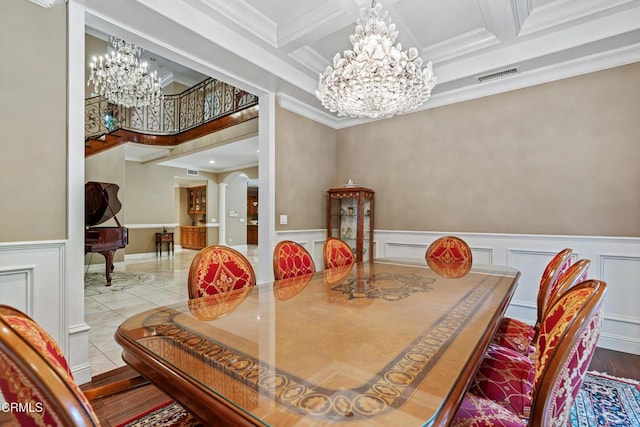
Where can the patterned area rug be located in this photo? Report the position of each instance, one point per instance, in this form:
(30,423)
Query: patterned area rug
(96,283)
(169,414)
(605,401)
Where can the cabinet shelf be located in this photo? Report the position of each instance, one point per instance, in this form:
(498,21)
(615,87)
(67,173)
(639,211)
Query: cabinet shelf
(197,200)
(350,218)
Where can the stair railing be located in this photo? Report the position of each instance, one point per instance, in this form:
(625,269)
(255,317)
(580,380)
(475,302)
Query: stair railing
(202,103)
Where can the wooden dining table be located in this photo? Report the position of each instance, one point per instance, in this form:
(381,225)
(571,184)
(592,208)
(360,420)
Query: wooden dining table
(385,343)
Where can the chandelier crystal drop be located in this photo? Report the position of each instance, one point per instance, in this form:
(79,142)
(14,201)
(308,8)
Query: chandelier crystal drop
(123,79)
(376,79)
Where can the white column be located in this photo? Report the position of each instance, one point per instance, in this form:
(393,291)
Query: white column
(222,207)
(267,182)
(77,344)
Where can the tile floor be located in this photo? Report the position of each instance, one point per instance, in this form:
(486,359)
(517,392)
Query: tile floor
(105,312)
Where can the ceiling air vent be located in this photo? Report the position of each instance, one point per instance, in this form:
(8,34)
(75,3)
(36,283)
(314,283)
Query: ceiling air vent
(497,74)
(192,172)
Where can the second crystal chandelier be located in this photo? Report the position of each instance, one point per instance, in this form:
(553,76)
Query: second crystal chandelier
(123,79)
(375,79)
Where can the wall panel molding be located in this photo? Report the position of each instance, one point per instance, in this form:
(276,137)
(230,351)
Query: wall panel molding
(616,260)
(17,286)
(33,278)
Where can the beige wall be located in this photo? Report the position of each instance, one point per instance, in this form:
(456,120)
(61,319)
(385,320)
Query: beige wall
(558,158)
(172,88)
(252,173)
(150,193)
(236,200)
(33,118)
(305,169)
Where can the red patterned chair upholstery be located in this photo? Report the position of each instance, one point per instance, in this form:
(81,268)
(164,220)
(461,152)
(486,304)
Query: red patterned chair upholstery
(291,259)
(518,335)
(576,273)
(506,376)
(217,270)
(566,342)
(336,253)
(35,377)
(35,374)
(449,249)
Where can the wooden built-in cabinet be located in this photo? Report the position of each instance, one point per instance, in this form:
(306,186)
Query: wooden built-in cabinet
(350,218)
(252,234)
(197,200)
(193,237)
(252,205)
(252,216)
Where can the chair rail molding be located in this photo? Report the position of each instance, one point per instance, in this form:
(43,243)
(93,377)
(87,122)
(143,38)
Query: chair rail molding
(615,260)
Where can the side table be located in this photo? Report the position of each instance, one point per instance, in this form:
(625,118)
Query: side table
(162,238)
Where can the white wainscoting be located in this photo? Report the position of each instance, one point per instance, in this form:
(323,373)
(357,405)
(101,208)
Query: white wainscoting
(615,260)
(33,280)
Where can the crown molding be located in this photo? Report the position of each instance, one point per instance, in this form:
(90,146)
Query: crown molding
(48,3)
(463,44)
(534,20)
(248,17)
(598,62)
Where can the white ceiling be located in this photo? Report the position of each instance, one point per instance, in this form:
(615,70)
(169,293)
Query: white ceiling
(280,46)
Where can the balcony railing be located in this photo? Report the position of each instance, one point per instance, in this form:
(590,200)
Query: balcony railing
(204,102)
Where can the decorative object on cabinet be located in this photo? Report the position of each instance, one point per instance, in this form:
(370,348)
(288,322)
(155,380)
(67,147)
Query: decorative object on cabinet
(350,218)
(197,200)
(252,202)
(193,237)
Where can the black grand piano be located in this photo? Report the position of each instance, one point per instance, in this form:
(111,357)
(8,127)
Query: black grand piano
(102,204)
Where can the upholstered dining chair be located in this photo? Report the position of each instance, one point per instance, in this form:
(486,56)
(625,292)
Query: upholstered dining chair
(506,376)
(518,335)
(291,259)
(336,253)
(36,376)
(566,343)
(449,249)
(219,269)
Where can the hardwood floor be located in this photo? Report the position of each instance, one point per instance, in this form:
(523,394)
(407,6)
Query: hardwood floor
(120,407)
(618,364)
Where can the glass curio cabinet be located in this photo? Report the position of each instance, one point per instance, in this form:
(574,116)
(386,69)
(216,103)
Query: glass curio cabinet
(350,218)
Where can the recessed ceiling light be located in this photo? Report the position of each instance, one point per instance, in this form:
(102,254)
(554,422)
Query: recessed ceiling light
(258,150)
(212,161)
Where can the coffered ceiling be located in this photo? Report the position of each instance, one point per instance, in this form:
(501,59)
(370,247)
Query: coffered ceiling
(282,45)
(478,47)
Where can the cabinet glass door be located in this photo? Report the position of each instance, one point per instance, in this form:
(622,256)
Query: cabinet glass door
(351,219)
(367,232)
(349,222)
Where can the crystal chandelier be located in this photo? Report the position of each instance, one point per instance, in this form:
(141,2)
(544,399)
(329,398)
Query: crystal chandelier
(375,79)
(122,78)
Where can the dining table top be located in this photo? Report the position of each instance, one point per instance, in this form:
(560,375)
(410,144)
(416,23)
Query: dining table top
(388,342)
